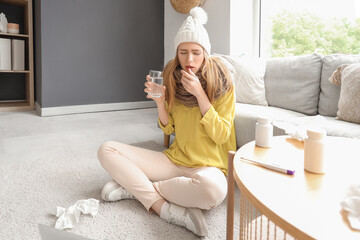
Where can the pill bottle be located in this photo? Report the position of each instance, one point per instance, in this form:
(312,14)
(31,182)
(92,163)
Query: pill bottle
(263,132)
(314,146)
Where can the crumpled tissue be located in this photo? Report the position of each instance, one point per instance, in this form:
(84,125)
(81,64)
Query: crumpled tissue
(351,204)
(297,127)
(69,217)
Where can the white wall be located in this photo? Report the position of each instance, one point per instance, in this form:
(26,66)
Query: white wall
(218,26)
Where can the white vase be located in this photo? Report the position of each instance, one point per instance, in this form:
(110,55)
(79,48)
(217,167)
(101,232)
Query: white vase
(3,23)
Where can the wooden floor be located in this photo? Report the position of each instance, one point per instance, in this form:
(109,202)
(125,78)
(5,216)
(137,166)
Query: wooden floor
(25,134)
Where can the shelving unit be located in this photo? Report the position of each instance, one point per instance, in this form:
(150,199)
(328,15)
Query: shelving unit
(28,74)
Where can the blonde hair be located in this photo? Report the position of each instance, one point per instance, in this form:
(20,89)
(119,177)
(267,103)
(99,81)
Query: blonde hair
(213,70)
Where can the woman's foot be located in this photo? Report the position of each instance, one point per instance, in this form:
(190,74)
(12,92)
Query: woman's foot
(190,218)
(112,191)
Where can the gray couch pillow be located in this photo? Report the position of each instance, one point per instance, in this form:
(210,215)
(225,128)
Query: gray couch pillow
(294,83)
(330,93)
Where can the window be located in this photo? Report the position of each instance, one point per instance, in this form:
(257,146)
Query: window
(298,27)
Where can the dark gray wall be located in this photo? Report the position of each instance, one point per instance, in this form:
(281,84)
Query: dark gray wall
(96,51)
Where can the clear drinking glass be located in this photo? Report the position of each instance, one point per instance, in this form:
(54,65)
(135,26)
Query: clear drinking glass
(157,80)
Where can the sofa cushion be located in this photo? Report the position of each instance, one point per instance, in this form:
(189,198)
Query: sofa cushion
(348,76)
(246,116)
(293,83)
(330,93)
(248,75)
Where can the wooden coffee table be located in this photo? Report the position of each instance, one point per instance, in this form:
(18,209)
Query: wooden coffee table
(304,205)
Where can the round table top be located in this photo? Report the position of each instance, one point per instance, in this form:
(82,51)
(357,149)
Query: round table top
(303,204)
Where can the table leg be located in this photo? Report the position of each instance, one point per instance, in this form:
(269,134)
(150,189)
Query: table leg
(230,197)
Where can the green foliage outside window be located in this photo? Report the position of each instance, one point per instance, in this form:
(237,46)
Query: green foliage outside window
(304,33)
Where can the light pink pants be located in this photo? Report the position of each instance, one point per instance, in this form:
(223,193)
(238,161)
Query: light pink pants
(150,176)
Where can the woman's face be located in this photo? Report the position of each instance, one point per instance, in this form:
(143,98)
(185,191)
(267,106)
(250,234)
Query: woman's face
(191,56)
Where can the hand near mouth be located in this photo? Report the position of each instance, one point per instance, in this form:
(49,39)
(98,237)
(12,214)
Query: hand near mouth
(189,68)
(191,82)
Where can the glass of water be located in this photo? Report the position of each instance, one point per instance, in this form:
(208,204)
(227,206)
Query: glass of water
(157,81)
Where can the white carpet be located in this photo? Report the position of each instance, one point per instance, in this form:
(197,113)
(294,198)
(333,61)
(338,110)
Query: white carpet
(30,191)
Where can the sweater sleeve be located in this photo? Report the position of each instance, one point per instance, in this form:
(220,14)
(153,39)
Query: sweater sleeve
(219,119)
(170,127)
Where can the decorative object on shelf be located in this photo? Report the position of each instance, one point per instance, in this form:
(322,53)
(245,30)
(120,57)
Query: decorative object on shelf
(13,28)
(5,54)
(18,55)
(184,6)
(3,23)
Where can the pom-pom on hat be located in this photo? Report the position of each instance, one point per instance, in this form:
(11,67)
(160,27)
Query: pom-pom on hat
(192,30)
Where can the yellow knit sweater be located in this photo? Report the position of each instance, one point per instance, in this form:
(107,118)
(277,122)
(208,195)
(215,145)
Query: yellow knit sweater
(202,140)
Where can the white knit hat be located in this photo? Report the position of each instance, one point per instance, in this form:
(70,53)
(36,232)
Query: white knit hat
(192,30)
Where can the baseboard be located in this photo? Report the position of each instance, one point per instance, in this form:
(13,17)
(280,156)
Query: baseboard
(53,111)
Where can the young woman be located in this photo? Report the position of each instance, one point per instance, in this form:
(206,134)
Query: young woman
(197,103)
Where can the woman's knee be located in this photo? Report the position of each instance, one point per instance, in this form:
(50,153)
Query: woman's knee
(104,150)
(213,189)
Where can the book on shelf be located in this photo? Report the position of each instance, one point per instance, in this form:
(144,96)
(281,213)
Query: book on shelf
(18,54)
(5,54)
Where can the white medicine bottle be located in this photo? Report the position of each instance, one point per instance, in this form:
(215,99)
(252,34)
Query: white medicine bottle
(263,132)
(314,157)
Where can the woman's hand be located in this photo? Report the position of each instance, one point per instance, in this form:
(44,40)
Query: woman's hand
(191,83)
(149,85)
(160,101)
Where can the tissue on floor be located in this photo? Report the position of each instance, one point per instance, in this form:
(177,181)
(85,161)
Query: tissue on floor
(69,217)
